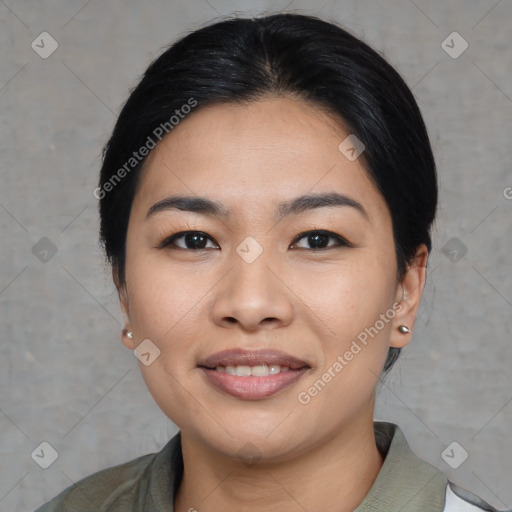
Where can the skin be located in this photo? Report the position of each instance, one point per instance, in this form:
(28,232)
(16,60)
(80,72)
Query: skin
(306,301)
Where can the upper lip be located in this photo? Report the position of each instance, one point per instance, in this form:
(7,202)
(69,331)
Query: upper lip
(237,356)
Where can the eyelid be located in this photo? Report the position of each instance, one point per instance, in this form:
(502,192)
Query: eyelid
(168,241)
(341,241)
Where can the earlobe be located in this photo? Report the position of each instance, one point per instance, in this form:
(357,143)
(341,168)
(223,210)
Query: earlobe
(411,291)
(127,339)
(126,334)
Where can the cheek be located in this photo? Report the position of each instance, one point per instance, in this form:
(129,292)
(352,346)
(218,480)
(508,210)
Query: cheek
(163,303)
(160,292)
(348,295)
(348,303)
(352,337)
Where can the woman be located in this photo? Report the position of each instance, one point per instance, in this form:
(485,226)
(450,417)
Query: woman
(266,201)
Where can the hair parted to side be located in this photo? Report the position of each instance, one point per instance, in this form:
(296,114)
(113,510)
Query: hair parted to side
(243,59)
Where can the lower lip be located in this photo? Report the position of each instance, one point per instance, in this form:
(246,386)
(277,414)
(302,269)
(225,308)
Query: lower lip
(252,388)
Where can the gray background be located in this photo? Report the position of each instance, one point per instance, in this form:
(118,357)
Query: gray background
(65,377)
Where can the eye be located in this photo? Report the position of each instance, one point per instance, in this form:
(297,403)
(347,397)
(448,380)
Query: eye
(194,240)
(319,239)
(198,240)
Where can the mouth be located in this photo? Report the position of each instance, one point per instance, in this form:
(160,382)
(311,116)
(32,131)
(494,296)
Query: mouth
(252,375)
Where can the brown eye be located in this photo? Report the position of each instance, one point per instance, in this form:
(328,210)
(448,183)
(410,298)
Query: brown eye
(192,240)
(319,239)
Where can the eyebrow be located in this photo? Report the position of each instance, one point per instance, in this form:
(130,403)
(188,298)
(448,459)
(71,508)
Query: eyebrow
(294,206)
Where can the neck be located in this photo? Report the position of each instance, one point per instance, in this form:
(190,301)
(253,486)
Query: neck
(334,475)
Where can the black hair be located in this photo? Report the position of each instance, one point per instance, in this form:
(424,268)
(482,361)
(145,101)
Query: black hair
(245,59)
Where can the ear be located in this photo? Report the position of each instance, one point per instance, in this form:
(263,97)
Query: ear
(411,290)
(125,308)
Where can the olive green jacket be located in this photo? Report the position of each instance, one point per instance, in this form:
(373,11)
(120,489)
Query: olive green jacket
(405,483)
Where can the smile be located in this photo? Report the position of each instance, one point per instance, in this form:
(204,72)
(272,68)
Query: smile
(252,374)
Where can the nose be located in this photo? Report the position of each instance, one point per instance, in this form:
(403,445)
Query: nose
(252,296)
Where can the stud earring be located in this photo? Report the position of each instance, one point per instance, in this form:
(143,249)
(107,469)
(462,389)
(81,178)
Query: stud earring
(128,334)
(404,329)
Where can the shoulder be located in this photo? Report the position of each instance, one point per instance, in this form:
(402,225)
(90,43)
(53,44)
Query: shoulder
(97,491)
(406,482)
(459,499)
(142,484)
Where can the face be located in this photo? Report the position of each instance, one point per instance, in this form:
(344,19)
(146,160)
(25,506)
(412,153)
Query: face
(307,279)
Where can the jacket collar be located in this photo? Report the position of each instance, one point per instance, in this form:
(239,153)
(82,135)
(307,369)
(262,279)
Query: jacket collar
(404,483)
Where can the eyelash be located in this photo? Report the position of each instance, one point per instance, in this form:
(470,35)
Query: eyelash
(341,241)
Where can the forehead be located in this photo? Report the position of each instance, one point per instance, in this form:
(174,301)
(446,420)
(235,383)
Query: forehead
(248,156)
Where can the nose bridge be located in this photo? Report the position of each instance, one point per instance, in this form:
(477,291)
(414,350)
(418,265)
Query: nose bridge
(251,292)
(252,280)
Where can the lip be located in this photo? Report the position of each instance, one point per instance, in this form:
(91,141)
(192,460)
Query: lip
(237,356)
(251,387)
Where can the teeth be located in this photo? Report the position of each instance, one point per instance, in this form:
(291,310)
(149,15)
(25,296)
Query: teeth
(231,370)
(243,371)
(274,368)
(261,370)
